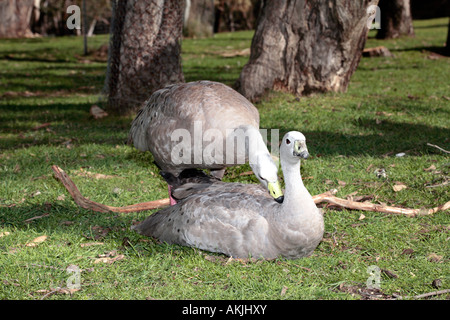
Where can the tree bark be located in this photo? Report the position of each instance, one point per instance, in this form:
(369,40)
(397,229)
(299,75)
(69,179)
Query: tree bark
(199,18)
(396,19)
(144,53)
(15,18)
(305,46)
(447,44)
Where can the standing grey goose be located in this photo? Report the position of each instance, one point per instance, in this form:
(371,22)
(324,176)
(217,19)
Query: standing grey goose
(190,125)
(241,220)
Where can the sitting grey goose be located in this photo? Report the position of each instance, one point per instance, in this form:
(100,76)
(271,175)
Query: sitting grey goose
(197,109)
(241,220)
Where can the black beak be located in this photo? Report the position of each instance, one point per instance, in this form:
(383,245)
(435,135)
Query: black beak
(279,199)
(304,155)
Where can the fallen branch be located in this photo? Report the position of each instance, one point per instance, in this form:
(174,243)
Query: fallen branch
(98,207)
(424,295)
(368,206)
(433,293)
(435,146)
(323,197)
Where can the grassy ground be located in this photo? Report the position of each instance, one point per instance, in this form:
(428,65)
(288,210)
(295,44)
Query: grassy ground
(393,105)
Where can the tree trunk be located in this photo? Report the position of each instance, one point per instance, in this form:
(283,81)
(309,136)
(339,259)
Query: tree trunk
(15,18)
(144,53)
(199,18)
(396,19)
(447,44)
(305,46)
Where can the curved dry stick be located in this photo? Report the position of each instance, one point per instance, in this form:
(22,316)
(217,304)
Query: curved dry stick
(89,204)
(323,197)
(367,206)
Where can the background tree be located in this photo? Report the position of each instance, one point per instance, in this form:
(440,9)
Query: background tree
(305,46)
(198,18)
(447,44)
(15,17)
(144,53)
(233,15)
(396,19)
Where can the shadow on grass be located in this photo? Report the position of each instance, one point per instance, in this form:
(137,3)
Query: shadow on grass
(74,121)
(50,218)
(223,74)
(392,137)
(439,50)
(66,122)
(76,79)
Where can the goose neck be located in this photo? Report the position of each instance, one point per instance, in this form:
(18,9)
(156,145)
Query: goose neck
(296,197)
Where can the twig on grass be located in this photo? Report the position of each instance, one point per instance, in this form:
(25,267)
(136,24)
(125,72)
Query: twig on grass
(433,145)
(323,197)
(433,293)
(423,295)
(368,206)
(92,205)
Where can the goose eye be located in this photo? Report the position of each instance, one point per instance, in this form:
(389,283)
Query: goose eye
(288,141)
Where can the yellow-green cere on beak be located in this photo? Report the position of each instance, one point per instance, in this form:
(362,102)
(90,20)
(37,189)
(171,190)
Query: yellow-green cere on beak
(300,149)
(297,147)
(275,191)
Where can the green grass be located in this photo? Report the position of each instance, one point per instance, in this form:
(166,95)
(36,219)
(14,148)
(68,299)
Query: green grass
(392,105)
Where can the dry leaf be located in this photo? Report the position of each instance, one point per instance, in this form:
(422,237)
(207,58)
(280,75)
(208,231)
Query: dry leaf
(408,251)
(4,234)
(61,197)
(433,257)
(389,273)
(36,241)
(244,52)
(437,283)
(430,168)
(13,250)
(342,183)
(283,291)
(44,125)
(399,186)
(43,291)
(110,260)
(68,144)
(89,174)
(97,112)
(88,244)
(361,217)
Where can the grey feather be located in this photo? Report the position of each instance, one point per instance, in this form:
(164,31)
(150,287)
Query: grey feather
(241,220)
(178,106)
(204,106)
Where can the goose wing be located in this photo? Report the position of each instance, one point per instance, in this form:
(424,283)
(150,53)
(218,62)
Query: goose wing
(234,223)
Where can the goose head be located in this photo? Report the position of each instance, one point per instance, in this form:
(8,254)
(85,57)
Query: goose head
(293,147)
(267,173)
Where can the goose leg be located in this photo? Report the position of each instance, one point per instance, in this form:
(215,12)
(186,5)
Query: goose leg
(172,200)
